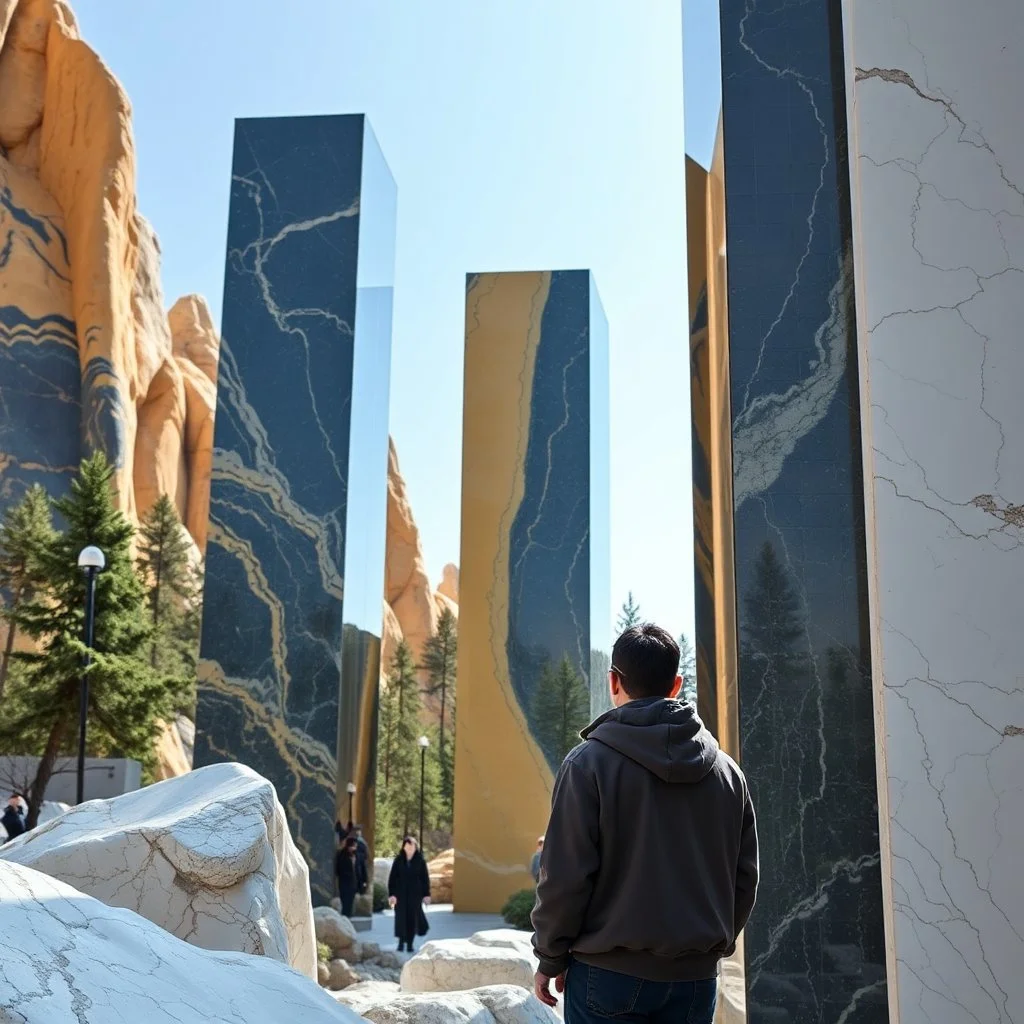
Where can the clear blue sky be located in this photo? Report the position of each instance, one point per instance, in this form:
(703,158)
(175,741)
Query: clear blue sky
(522,134)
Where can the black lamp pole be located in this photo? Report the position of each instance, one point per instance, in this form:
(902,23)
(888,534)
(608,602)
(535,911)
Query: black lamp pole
(423,777)
(83,696)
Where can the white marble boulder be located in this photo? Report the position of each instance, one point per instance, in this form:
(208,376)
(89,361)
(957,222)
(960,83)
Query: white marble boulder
(499,1004)
(206,856)
(68,957)
(499,957)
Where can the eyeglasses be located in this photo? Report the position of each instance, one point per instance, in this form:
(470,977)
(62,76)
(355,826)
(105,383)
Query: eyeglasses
(618,672)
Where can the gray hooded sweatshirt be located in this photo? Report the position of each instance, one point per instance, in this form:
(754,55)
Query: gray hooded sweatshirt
(650,858)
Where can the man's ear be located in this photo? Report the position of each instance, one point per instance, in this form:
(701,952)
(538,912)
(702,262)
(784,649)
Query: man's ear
(614,683)
(676,686)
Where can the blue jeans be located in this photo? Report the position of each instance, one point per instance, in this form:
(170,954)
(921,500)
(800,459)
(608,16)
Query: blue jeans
(593,994)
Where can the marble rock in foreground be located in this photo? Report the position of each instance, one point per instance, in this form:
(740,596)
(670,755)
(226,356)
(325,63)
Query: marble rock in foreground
(499,957)
(76,959)
(497,1004)
(206,856)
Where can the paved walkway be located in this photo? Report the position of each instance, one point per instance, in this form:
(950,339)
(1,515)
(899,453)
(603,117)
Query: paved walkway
(444,924)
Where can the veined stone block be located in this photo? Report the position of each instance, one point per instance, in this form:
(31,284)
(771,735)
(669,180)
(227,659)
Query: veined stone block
(535,612)
(295,563)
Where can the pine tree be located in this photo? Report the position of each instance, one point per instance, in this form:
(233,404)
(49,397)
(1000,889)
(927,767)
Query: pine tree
(629,615)
(440,655)
(127,700)
(399,798)
(561,708)
(688,669)
(26,530)
(174,593)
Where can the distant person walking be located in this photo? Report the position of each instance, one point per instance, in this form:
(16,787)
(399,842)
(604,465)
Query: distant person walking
(350,870)
(13,818)
(650,864)
(408,893)
(535,863)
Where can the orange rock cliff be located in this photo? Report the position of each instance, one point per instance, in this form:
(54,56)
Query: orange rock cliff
(90,358)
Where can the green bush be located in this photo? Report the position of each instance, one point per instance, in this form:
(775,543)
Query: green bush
(380,897)
(323,952)
(517,910)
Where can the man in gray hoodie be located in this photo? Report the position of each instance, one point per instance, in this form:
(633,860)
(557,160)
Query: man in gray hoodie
(649,869)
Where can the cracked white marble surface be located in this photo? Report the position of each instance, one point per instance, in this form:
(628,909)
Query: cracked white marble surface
(77,961)
(937,158)
(206,856)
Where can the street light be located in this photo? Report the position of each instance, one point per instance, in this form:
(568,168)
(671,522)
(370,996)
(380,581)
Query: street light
(424,743)
(90,561)
(351,787)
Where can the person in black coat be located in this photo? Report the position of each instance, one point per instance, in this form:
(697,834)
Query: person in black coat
(350,871)
(13,819)
(408,892)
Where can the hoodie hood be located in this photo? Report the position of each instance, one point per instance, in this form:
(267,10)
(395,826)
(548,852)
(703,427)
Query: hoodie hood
(664,736)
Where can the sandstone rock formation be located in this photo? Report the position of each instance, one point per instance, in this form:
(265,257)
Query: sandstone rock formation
(207,856)
(499,957)
(498,1004)
(442,873)
(449,587)
(172,759)
(411,606)
(77,959)
(407,587)
(88,359)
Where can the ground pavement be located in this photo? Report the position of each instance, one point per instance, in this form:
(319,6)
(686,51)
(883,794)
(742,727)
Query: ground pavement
(444,924)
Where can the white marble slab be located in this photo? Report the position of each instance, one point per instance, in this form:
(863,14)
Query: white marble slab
(206,856)
(66,957)
(937,164)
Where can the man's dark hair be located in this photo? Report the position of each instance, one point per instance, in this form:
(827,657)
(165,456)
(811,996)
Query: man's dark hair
(646,660)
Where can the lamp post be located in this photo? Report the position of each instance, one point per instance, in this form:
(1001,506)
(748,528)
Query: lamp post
(91,561)
(424,743)
(351,787)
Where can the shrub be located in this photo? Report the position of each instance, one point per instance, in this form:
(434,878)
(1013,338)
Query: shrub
(517,910)
(380,897)
(323,952)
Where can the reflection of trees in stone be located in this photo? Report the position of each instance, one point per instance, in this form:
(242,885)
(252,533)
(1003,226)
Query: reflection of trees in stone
(688,669)
(777,726)
(600,698)
(561,708)
(807,748)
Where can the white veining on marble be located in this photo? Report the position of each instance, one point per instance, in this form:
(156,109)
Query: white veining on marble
(766,431)
(77,960)
(938,172)
(206,856)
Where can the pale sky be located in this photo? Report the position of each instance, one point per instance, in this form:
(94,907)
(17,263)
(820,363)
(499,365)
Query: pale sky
(522,134)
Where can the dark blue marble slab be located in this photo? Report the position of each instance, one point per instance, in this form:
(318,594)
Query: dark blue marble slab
(40,407)
(815,949)
(295,555)
(557,569)
(40,375)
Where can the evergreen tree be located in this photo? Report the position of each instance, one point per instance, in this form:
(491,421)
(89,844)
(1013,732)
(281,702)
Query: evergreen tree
(629,615)
(688,669)
(25,532)
(127,699)
(174,594)
(439,661)
(399,797)
(561,708)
